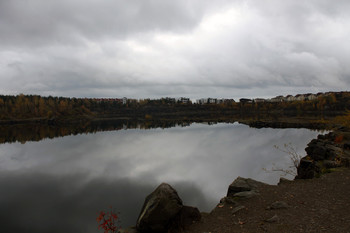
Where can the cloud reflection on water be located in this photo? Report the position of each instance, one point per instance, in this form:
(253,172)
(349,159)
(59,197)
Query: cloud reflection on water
(60,184)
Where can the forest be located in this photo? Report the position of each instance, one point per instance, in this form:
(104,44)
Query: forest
(35,108)
(33,117)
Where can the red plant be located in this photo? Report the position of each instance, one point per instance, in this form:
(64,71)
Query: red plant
(338,138)
(108,221)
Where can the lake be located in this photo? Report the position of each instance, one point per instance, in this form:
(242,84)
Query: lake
(60,184)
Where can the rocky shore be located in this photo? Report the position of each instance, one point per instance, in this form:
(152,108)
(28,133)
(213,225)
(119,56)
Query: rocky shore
(318,200)
(324,153)
(304,205)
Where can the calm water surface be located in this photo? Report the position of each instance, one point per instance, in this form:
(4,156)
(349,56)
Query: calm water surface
(59,185)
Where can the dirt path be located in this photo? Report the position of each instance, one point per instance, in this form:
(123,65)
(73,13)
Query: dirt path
(316,205)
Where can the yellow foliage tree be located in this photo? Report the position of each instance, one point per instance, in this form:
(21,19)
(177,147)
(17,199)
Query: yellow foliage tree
(344,120)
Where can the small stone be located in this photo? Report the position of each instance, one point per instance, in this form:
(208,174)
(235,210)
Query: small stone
(278,205)
(242,184)
(246,194)
(273,219)
(228,200)
(238,208)
(284,181)
(238,185)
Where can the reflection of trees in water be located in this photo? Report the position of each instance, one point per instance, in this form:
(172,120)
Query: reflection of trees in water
(36,132)
(39,131)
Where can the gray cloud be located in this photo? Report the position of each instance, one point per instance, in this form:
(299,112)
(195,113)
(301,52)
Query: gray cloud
(173,48)
(50,22)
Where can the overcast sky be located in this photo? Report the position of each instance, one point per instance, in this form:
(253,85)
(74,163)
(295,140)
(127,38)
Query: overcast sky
(159,48)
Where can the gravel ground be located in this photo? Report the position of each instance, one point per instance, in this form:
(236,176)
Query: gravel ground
(316,205)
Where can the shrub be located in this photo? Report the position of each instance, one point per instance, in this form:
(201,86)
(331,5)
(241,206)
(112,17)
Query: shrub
(108,221)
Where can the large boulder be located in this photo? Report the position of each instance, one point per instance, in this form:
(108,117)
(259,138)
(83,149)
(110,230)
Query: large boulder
(242,186)
(324,148)
(159,210)
(316,149)
(187,216)
(307,169)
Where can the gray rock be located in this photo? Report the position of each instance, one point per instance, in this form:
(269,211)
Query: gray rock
(284,181)
(333,152)
(278,205)
(241,185)
(187,216)
(273,219)
(159,209)
(319,153)
(316,149)
(246,194)
(238,208)
(330,164)
(323,148)
(307,169)
(228,200)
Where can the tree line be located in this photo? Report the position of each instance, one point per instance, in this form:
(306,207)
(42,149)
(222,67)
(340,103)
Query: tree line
(35,107)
